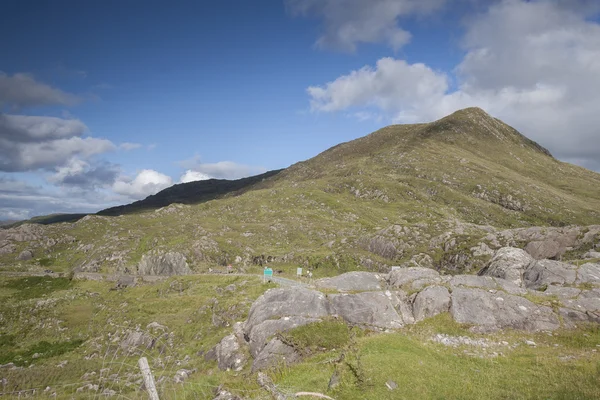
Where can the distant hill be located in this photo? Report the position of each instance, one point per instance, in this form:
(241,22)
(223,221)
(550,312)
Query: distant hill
(189,193)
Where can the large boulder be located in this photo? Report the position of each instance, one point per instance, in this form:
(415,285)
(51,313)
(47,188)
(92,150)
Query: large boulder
(373,309)
(351,282)
(279,310)
(494,311)
(543,273)
(157,263)
(545,249)
(508,263)
(430,302)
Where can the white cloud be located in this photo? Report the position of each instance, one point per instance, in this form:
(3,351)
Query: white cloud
(192,176)
(22,90)
(533,64)
(127,146)
(146,183)
(350,22)
(221,169)
(30,142)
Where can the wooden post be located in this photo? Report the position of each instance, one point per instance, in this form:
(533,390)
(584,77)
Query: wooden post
(148,379)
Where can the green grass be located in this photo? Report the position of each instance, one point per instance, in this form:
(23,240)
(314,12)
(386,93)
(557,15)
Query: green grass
(427,370)
(36,286)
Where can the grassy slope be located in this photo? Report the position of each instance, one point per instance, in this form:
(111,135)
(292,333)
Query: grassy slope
(467,167)
(86,319)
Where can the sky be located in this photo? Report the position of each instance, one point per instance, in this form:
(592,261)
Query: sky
(106,102)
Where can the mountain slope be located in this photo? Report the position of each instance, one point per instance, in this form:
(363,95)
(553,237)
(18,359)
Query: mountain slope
(435,191)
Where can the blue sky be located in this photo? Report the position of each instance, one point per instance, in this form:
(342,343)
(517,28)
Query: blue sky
(106,102)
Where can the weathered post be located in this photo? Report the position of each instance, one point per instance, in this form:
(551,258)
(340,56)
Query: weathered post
(148,379)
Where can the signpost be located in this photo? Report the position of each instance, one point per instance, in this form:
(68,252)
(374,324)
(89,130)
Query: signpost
(299,271)
(267,275)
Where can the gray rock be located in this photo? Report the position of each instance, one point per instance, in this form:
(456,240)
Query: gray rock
(543,273)
(223,394)
(588,273)
(351,281)
(281,302)
(508,263)
(545,249)
(432,301)
(486,282)
(137,340)
(275,353)
(229,354)
(7,247)
(25,255)
(403,275)
(591,254)
(493,311)
(163,264)
(125,281)
(261,333)
(562,292)
(374,309)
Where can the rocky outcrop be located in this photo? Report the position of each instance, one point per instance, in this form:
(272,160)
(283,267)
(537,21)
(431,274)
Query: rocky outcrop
(417,277)
(486,303)
(229,354)
(542,273)
(351,282)
(156,263)
(430,302)
(25,255)
(493,311)
(508,263)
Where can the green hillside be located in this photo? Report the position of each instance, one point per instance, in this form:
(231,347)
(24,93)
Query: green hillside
(369,203)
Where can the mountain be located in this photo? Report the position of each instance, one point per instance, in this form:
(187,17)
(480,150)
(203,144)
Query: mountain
(445,192)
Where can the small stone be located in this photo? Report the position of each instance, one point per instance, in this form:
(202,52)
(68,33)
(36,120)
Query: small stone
(530,343)
(391,385)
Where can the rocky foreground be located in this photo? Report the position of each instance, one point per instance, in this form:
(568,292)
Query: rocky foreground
(514,291)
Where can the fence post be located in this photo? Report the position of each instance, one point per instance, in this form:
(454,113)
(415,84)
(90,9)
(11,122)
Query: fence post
(148,379)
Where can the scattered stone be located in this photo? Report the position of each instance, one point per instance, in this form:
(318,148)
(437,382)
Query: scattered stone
(530,343)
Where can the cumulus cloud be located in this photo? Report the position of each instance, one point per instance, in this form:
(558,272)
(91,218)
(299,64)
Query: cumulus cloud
(22,90)
(350,22)
(219,170)
(192,176)
(82,174)
(31,142)
(535,64)
(147,182)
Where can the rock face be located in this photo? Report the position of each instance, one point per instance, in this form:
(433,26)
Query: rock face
(163,264)
(509,263)
(493,311)
(352,281)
